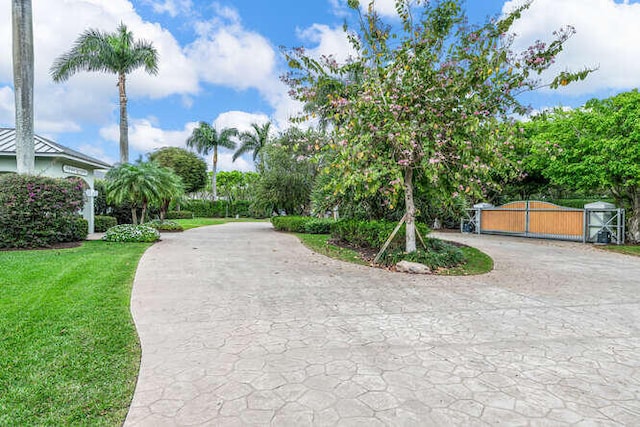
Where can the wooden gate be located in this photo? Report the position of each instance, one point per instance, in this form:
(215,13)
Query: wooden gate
(533,219)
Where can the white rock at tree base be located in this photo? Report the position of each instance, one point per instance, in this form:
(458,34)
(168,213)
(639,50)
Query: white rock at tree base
(412,267)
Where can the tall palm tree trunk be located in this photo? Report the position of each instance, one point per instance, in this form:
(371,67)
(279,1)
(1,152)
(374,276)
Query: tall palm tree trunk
(124,124)
(214,190)
(23,84)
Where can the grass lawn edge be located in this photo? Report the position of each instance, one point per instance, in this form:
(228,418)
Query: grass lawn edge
(630,250)
(477,261)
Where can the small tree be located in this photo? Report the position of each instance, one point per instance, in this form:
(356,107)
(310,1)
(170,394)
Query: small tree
(187,165)
(288,174)
(143,185)
(205,138)
(428,103)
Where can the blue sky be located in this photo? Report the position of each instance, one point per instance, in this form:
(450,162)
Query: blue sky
(220,62)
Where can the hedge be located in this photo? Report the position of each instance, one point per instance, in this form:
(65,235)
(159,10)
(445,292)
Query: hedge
(218,209)
(166,225)
(102,223)
(370,234)
(179,214)
(302,224)
(37,211)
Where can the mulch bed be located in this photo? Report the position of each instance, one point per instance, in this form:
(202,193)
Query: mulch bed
(65,245)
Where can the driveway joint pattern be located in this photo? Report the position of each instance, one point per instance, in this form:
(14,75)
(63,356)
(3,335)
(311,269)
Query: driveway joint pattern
(241,325)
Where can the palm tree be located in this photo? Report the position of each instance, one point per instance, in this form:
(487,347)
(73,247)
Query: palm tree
(254,140)
(142,185)
(117,53)
(206,138)
(23,84)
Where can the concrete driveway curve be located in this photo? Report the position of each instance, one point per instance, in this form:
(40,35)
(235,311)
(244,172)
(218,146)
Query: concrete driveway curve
(241,325)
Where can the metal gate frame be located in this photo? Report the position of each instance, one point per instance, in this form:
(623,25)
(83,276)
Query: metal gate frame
(611,221)
(615,225)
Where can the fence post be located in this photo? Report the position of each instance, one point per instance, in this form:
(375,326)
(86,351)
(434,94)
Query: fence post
(526,219)
(623,223)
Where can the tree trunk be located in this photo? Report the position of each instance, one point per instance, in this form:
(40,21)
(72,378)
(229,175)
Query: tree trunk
(633,221)
(23,84)
(134,216)
(164,208)
(142,213)
(214,190)
(124,123)
(410,240)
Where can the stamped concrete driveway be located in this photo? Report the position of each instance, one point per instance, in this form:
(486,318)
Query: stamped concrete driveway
(241,325)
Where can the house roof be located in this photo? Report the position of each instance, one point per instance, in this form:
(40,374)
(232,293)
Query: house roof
(46,148)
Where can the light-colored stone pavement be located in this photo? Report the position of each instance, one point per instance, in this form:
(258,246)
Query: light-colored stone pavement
(241,325)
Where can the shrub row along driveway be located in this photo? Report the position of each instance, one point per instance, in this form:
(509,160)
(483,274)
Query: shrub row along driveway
(242,325)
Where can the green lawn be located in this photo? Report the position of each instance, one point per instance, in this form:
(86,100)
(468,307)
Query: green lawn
(623,249)
(201,222)
(320,243)
(69,352)
(477,262)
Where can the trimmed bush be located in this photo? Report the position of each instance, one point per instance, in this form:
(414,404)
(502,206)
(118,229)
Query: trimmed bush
(37,211)
(218,209)
(293,224)
(579,203)
(165,225)
(318,226)
(370,234)
(131,233)
(102,223)
(79,229)
(302,224)
(179,214)
(438,254)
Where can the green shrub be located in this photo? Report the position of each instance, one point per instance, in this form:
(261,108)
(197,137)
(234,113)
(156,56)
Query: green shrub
(179,214)
(166,225)
(370,234)
(79,229)
(294,224)
(579,203)
(37,211)
(318,226)
(102,223)
(131,233)
(438,254)
(218,209)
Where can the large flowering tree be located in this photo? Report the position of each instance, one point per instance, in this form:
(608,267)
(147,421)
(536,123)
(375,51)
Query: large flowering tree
(426,99)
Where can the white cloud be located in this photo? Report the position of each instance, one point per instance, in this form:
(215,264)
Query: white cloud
(328,42)
(226,163)
(7,102)
(607,36)
(91,97)
(225,53)
(385,8)
(240,120)
(145,136)
(171,7)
